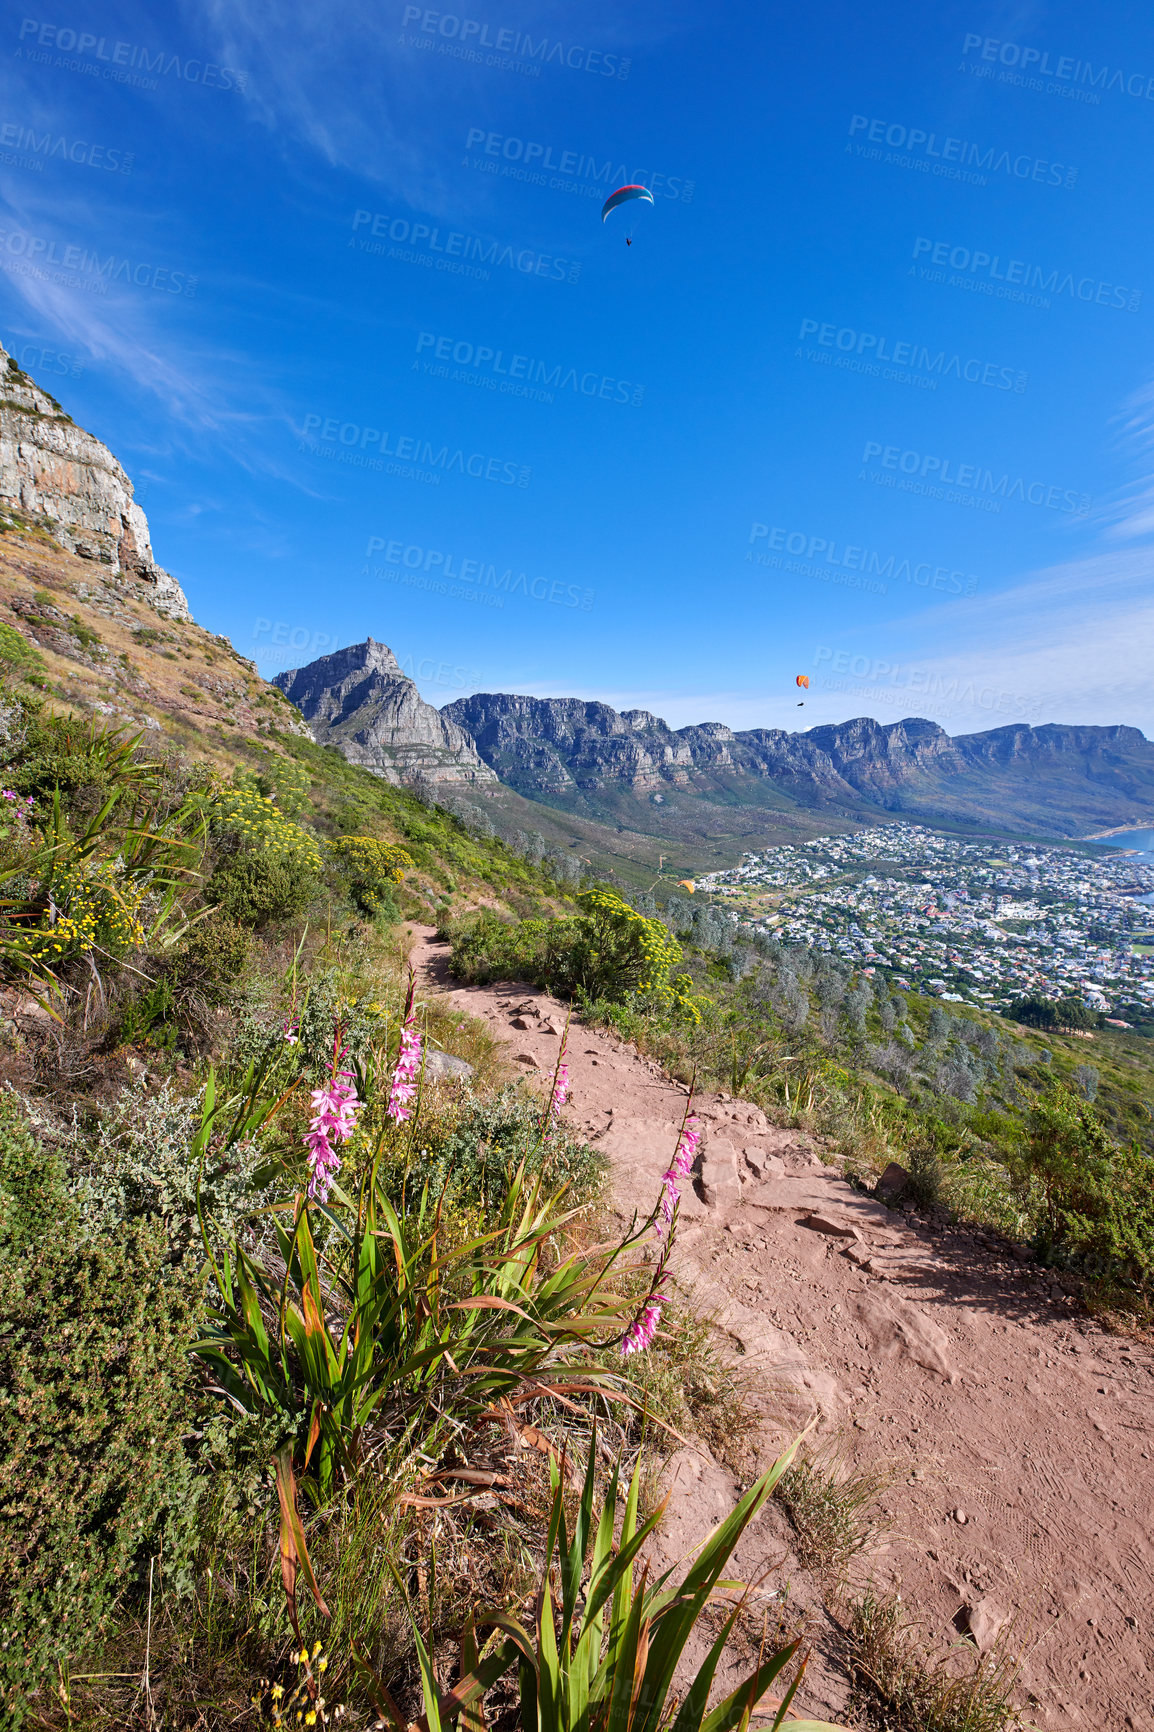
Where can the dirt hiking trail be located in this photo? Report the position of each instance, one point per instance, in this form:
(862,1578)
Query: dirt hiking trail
(1014,1431)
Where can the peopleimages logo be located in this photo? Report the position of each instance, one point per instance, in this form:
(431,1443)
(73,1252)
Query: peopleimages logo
(914,355)
(537,162)
(931,472)
(37,255)
(34,358)
(1066,66)
(956,158)
(368,447)
(458,253)
(433,563)
(990,269)
(519,375)
(851,558)
(55,147)
(120,60)
(922,682)
(472,33)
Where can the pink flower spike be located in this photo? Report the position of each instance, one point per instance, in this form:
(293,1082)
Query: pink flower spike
(334,1120)
(560,1090)
(407,1070)
(639,1336)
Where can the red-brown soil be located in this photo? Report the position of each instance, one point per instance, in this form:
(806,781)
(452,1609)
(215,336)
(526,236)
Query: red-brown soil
(924,1350)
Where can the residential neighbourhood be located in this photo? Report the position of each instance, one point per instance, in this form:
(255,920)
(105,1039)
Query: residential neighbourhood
(972,921)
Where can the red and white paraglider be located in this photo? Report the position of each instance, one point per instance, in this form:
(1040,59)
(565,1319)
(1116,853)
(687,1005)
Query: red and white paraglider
(625,195)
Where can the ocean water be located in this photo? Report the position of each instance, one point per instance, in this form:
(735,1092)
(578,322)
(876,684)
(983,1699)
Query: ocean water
(1142,840)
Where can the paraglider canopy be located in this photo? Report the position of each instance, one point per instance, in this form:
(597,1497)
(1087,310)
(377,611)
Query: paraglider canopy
(803,680)
(623,196)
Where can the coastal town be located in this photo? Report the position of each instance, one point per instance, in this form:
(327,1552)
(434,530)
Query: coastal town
(980,922)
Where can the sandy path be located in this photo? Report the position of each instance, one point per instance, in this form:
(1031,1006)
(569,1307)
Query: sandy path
(927,1351)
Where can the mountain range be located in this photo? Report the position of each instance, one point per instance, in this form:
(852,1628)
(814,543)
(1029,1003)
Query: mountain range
(630,770)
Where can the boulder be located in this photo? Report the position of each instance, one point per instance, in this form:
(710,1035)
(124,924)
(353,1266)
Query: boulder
(893,1181)
(983,1620)
(720,1178)
(445,1064)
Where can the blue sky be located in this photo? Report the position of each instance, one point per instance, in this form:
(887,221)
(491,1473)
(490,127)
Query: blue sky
(869,397)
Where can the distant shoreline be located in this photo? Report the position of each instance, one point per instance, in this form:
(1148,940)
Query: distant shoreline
(1119,830)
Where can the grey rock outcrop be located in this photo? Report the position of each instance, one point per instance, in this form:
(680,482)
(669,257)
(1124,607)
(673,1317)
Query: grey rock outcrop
(60,478)
(358,700)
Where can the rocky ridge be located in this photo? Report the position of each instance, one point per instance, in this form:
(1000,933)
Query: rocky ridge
(1062,779)
(358,700)
(57,477)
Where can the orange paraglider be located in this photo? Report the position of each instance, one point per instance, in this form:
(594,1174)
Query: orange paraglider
(803,681)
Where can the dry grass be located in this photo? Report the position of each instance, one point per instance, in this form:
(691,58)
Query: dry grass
(690,1383)
(141,660)
(828,1504)
(899,1688)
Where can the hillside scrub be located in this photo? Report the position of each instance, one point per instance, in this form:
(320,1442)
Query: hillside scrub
(292,1287)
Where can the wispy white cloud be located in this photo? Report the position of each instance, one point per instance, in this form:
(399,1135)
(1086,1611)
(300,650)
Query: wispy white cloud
(362,101)
(1127,514)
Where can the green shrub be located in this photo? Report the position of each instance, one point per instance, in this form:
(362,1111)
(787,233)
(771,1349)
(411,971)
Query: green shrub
(480,1150)
(211,958)
(371,869)
(17,654)
(138,1165)
(621,953)
(252,887)
(267,867)
(31,1182)
(607,952)
(95,1387)
(1095,1199)
(485,948)
(1063,1013)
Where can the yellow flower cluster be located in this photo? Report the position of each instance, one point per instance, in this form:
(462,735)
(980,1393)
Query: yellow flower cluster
(301,1706)
(636,953)
(366,858)
(253,816)
(93,904)
(654,943)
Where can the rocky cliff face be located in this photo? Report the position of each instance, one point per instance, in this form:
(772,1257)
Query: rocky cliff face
(56,476)
(876,759)
(358,700)
(1065,780)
